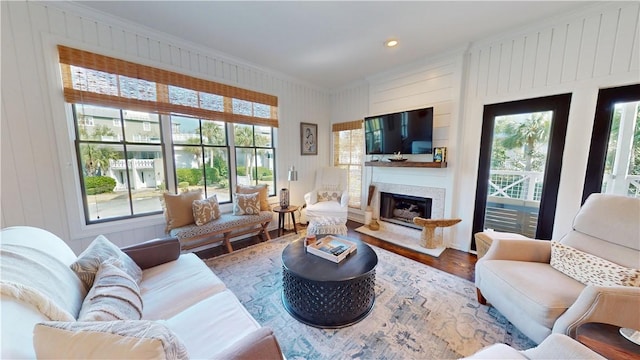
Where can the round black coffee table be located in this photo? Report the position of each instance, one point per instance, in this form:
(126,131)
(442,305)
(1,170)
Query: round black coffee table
(324,294)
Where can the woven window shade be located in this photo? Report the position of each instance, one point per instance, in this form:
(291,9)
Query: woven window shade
(349,125)
(95,79)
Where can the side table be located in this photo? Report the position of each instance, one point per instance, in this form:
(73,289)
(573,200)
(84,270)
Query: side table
(282,212)
(607,341)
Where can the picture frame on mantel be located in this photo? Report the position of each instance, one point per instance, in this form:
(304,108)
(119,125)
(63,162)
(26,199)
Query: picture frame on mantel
(308,139)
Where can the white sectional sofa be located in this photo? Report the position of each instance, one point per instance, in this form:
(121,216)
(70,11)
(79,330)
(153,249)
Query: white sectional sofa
(197,316)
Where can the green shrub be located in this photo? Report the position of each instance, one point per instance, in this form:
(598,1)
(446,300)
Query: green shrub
(191,176)
(241,171)
(183,185)
(212,175)
(99,184)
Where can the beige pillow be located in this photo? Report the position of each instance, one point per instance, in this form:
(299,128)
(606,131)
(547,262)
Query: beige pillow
(261,189)
(101,249)
(246,204)
(178,210)
(328,195)
(206,210)
(590,269)
(114,296)
(125,339)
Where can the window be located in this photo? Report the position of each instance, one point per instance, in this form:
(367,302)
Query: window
(119,178)
(255,155)
(118,110)
(201,156)
(348,153)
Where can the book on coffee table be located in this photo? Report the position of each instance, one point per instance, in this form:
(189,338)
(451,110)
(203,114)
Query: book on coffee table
(332,248)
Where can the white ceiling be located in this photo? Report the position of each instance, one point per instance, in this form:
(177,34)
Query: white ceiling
(332,43)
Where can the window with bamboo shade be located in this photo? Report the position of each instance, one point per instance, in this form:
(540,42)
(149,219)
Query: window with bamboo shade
(348,153)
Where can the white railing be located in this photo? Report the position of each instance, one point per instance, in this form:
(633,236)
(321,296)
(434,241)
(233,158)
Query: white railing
(525,185)
(133,164)
(630,185)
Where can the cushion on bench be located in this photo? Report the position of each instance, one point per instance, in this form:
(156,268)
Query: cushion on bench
(224,222)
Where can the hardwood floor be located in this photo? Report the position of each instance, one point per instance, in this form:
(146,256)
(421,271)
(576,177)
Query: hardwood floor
(453,261)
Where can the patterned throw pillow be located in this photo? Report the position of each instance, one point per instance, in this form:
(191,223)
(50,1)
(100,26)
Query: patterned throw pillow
(206,210)
(177,208)
(126,339)
(590,269)
(101,249)
(261,190)
(114,296)
(328,195)
(246,204)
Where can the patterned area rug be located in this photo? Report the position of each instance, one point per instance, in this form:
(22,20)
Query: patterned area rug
(420,312)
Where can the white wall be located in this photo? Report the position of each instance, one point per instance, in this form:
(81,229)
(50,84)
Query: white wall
(578,54)
(38,162)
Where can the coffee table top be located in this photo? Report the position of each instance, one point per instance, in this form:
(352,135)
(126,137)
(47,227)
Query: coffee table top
(315,268)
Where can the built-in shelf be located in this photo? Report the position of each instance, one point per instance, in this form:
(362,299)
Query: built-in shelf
(422,164)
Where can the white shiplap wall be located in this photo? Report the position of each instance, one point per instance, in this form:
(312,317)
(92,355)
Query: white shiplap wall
(578,54)
(38,164)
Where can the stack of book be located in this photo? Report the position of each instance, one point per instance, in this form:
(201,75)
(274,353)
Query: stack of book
(332,248)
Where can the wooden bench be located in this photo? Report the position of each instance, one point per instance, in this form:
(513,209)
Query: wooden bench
(226,227)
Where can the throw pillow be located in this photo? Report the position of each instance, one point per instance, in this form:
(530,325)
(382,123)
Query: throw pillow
(261,189)
(125,339)
(177,208)
(590,269)
(206,210)
(114,296)
(246,204)
(101,249)
(328,195)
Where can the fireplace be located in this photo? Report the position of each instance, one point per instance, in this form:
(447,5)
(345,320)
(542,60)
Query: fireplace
(401,209)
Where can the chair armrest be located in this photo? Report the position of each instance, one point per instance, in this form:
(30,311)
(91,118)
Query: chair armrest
(260,344)
(311,197)
(344,199)
(615,305)
(154,252)
(519,250)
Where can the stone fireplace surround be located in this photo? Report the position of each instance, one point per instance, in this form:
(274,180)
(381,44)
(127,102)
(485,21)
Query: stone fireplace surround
(402,235)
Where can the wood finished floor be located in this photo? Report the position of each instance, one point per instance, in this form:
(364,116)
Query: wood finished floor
(453,261)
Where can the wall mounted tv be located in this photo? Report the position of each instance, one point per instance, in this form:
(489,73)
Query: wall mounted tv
(409,132)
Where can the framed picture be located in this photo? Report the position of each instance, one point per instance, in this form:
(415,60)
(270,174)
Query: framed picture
(308,139)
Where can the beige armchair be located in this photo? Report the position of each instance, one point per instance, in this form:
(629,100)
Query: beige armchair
(329,197)
(518,279)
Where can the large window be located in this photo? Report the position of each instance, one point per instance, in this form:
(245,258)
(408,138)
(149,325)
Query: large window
(348,153)
(201,156)
(255,155)
(121,167)
(119,109)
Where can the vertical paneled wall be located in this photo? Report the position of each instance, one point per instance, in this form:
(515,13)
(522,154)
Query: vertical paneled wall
(579,54)
(38,173)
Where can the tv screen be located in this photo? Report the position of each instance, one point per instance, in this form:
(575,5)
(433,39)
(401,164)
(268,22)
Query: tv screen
(409,132)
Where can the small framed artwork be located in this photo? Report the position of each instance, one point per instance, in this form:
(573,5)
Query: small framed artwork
(308,139)
(440,154)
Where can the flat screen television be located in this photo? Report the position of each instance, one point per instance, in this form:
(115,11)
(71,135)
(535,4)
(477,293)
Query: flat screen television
(409,132)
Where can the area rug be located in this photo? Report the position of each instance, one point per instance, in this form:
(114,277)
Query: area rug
(419,313)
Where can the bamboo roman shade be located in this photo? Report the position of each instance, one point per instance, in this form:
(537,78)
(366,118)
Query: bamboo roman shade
(349,125)
(95,79)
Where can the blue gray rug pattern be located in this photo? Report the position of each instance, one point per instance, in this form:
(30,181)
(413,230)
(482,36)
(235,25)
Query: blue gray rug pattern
(420,312)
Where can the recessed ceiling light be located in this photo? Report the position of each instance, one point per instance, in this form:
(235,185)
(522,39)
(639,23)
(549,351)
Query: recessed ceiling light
(391,43)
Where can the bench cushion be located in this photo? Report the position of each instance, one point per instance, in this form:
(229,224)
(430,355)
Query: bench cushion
(224,222)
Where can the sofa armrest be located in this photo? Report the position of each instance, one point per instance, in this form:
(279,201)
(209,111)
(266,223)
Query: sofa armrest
(519,250)
(260,344)
(613,305)
(154,252)
(311,197)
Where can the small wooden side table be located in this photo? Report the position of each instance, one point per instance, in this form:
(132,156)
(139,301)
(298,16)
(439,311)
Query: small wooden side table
(282,212)
(607,341)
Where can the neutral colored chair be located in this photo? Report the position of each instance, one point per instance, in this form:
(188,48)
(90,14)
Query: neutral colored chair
(330,195)
(553,286)
(556,346)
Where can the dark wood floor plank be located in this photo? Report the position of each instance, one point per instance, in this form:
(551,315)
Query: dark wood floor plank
(453,261)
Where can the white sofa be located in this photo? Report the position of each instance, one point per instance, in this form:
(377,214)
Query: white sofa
(178,292)
(555,346)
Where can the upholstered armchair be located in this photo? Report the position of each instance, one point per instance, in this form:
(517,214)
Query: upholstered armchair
(589,275)
(329,197)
